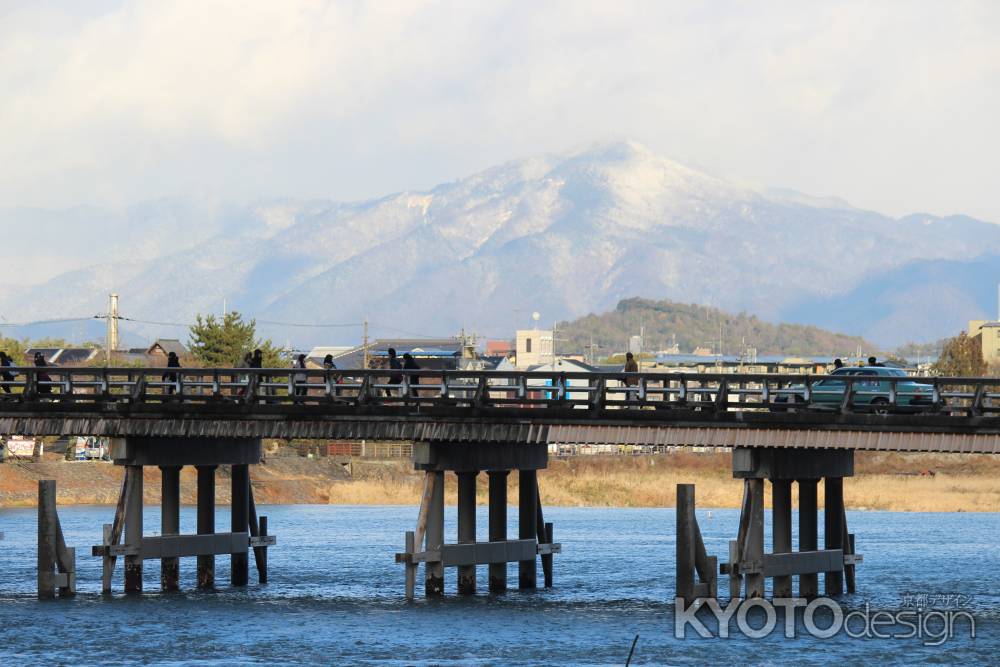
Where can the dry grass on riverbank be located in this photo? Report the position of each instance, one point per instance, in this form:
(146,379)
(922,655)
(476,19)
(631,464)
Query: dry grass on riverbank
(884,482)
(897,482)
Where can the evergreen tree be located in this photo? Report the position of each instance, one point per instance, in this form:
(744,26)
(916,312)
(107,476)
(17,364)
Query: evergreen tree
(222,343)
(961,356)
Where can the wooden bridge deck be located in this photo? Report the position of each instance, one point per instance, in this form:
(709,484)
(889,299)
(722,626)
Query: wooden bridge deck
(959,415)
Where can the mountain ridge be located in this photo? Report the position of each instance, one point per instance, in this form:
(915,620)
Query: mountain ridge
(565,234)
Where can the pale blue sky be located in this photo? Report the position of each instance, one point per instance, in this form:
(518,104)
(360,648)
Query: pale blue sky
(891,105)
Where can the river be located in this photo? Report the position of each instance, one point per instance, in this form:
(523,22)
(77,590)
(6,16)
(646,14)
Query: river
(335,596)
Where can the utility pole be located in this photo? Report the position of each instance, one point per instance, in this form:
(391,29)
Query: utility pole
(364,344)
(112,341)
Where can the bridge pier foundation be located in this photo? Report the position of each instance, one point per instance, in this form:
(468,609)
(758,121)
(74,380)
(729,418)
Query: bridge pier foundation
(426,544)
(498,525)
(171,455)
(206,522)
(749,565)
(170,524)
(808,534)
(467,528)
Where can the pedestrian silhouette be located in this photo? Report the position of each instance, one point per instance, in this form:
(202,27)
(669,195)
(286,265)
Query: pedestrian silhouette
(300,378)
(631,367)
(42,378)
(409,363)
(395,378)
(838,363)
(6,376)
(330,366)
(172,362)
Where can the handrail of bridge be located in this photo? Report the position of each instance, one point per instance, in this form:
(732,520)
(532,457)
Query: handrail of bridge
(846,394)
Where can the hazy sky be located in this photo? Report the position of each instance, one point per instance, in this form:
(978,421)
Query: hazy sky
(892,105)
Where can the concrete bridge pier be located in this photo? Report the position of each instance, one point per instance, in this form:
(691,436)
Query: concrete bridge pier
(426,544)
(170,455)
(749,566)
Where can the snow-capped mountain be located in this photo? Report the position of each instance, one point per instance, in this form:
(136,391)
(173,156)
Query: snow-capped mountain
(562,234)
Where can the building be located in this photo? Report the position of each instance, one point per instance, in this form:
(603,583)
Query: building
(161,349)
(500,348)
(987,334)
(533,347)
(430,353)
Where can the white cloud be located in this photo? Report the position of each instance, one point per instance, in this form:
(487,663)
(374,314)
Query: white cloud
(891,105)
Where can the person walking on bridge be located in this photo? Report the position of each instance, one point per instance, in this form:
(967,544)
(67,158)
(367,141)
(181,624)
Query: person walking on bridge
(244,379)
(395,378)
(410,364)
(630,381)
(42,379)
(300,378)
(172,362)
(6,376)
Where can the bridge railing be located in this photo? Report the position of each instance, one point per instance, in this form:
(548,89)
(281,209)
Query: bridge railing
(579,390)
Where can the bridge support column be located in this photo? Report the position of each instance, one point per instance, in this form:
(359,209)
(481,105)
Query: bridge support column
(133,531)
(240,521)
(833,533)
(426,544)
(206,522)
(434,571)
(754,545)
(747,560)
(527,526)
(170,523)
(808,534)
(498,525)
(467,528)
(170,455)
(781,512)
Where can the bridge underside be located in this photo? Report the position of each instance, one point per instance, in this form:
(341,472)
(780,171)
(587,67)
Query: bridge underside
(652,428)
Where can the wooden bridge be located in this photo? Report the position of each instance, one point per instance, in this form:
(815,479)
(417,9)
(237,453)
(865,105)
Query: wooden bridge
(959,415)
(783,428)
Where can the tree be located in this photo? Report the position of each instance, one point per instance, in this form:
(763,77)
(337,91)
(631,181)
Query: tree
(961,356)
(216,343)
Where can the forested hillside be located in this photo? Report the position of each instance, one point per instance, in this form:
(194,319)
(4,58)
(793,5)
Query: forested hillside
(691,326)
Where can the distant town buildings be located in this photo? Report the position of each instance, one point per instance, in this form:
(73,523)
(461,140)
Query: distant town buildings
(987,333)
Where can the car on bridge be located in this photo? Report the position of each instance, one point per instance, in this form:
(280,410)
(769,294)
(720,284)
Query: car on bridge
(875,393)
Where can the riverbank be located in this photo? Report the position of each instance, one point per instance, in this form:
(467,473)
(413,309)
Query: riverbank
(884,481)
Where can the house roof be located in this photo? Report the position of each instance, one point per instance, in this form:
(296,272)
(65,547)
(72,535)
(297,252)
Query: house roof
(418,347)
(568,365)
(62,355)
(168,345)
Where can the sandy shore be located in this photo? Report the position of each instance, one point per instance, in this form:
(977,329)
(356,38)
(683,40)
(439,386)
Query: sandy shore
(917,483)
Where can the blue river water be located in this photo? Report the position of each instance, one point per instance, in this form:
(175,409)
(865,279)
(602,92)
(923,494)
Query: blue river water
(335,596)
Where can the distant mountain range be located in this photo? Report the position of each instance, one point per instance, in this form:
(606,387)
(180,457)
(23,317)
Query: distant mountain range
(564,235)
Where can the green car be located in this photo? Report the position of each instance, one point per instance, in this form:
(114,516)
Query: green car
(911,396)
